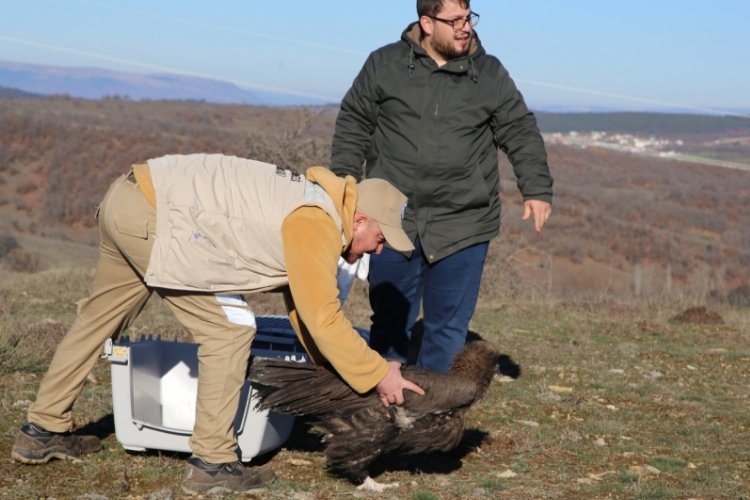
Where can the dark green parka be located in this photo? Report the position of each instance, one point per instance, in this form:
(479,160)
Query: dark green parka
(434,133)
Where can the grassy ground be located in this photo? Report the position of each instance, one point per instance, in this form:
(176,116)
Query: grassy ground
(614,401)
(738,157)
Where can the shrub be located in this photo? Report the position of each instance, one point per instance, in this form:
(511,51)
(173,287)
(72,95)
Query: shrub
(21,261)
(7,243)
(295,147)
(740,296)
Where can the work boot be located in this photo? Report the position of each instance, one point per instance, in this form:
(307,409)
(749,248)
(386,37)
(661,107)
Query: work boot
(230,477)
(36,445)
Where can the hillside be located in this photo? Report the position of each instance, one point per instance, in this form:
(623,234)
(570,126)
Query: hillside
(98,83)
(13,93)
(622,224)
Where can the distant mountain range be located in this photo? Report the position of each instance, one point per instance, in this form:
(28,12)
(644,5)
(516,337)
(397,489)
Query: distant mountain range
(24,80)
(96,83)
(18,94)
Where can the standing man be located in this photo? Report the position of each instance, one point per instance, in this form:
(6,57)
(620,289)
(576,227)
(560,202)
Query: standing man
(428,113)
(201,231)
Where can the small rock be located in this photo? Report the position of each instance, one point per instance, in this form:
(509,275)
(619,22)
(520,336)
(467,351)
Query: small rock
(298,462)
(164,494)
(528,423)
(559,389)
(651,469)
(597,477)
(302,495)
(507,474)
(573,436)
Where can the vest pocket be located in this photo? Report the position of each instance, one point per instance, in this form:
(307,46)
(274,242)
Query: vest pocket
(131,227)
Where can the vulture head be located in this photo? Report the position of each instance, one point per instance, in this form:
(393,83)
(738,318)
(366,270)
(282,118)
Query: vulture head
(358,428)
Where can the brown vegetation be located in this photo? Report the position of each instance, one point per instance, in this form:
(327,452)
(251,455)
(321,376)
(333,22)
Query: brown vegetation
(622,225)
(699,315)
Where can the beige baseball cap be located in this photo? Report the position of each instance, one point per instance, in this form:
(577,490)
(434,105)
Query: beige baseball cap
(380,200)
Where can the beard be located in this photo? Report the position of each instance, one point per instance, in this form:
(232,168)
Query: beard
(445,48)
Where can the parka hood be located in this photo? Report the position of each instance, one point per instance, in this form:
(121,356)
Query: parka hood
(412,35)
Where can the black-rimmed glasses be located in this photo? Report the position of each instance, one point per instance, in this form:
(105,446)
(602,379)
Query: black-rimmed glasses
(459,24)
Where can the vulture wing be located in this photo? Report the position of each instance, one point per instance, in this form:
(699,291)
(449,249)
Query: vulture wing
(304,389)
(443,391)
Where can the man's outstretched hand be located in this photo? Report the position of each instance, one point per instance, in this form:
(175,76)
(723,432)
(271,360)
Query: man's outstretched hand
(391,388)
(541,210)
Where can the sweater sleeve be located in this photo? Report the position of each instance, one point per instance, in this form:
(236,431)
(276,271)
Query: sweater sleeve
(312,247)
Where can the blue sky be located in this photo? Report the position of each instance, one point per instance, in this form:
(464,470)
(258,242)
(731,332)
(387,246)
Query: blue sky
(670,55)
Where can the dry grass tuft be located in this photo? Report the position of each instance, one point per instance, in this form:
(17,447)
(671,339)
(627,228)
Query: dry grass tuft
(29,347)
(698,315)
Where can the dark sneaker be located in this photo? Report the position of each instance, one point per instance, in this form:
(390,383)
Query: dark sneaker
(231,477)
(35,445)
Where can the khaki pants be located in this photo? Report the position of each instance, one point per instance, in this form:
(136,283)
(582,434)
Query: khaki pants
(223,326)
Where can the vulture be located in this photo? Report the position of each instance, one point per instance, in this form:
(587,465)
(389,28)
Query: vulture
(358,428)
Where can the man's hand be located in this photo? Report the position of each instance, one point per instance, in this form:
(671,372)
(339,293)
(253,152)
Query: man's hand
(541,210)
(391,388)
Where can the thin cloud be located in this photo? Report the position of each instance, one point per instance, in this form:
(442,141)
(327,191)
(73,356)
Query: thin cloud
(611,95)
(219,27)
(163,69)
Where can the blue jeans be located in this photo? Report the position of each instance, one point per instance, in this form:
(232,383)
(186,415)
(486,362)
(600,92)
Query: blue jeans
(447,290)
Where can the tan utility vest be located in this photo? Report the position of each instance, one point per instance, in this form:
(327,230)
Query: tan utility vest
(218,222)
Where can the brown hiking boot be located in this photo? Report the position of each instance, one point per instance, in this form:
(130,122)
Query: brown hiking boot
(35,445)
(231,477)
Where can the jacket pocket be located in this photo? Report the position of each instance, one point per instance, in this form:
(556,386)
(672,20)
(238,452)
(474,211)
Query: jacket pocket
(468,191)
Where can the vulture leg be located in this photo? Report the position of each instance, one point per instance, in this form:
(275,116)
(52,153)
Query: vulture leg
(369,484)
